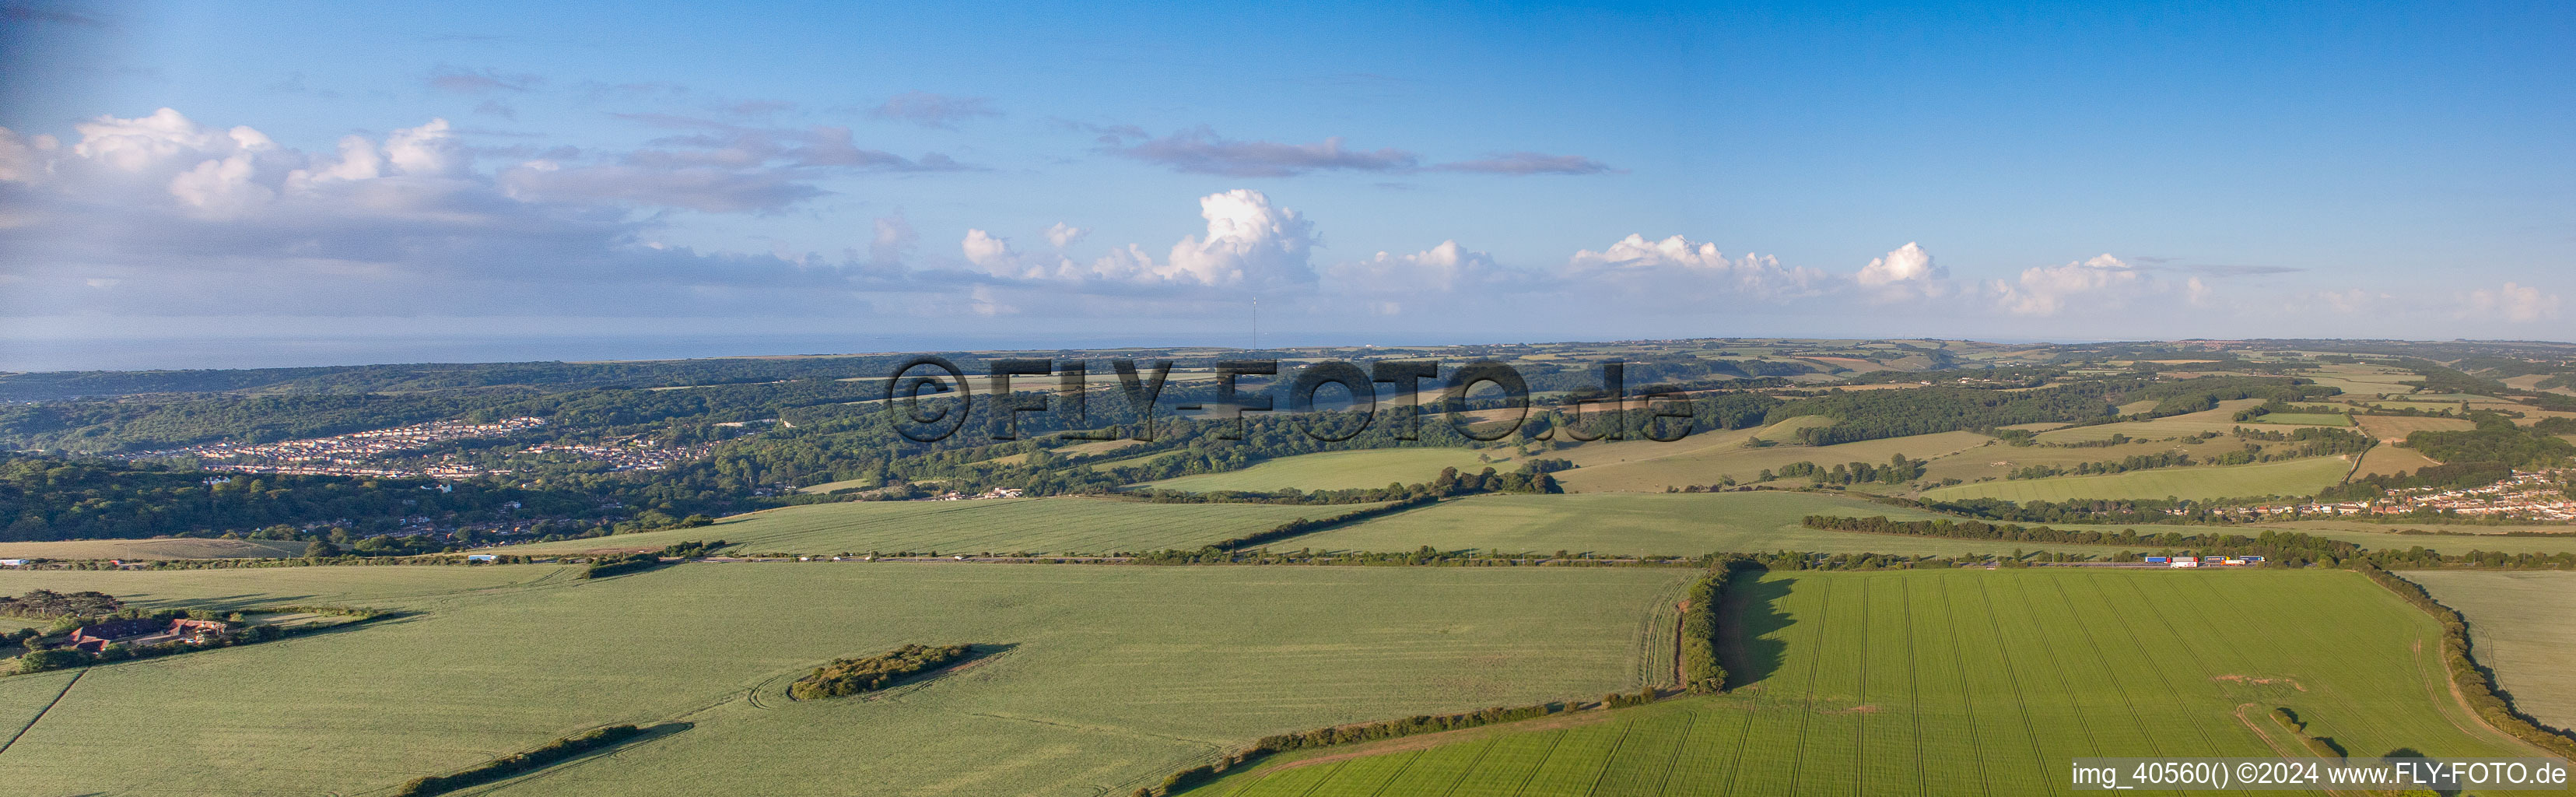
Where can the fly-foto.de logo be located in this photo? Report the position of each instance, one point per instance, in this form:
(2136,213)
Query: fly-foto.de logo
(928,399)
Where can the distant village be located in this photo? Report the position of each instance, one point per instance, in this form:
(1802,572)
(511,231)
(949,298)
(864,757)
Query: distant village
(379,453)
(2537,495)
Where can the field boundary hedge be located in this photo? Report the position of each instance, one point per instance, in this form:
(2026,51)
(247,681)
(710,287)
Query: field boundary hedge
(545,755)
(1302,526)
(2475,683)
(1701,672)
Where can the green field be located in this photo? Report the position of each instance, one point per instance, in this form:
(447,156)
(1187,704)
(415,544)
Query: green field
(1675,524)
(1651,470)
(2397,427)
(993,525)
(2289,477)
(2389,459)
(1998,461)
(1119,674)
(2523,626)
(173,548)
(2218,420)
(1339,470)
(1966,683)
(2306,418)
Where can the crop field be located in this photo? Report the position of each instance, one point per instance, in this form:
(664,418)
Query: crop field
(994,525)
(2217,420)
(2289,477)
(1673,524)
(1997,461)
(2522,625)
(2397,427)
(1712,465)
(1706,442)
(1339,470)
(2306,419)
(1114,675)
(173,548)
(1966,683)
(2389,459)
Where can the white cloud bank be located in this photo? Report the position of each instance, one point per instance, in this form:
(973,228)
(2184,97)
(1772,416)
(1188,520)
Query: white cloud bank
(161,215)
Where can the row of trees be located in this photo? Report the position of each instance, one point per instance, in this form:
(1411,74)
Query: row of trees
(1898,470)
(2167,459)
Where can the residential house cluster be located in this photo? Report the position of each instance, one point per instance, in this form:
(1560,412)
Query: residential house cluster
(2535,495)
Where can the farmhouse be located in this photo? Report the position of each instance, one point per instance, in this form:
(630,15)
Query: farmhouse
(97,636)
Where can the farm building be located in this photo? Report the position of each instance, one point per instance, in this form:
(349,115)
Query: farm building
(98,636)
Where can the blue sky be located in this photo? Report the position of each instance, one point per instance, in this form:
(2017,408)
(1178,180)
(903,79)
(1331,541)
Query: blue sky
(2069,172)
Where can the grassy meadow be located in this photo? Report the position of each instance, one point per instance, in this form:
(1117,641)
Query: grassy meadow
(2397,427)
(1339,470)
(2523,626)
(2288,477)
(2387,459)
(1650,470)
(1965,683)
(1115,676)
(2305,419)
(171,548)
(1677,524)
(2217,420)
(1064,525)
(1996,462)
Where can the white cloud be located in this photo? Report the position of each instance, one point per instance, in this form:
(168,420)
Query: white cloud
(1063,235)
(137,144)
(427,150)
(2350,301)
(1247,241)
(1394,279)
(990,253)
(1906,273)
(221,188)
(1677,268)
(2047,290)
(2513,302)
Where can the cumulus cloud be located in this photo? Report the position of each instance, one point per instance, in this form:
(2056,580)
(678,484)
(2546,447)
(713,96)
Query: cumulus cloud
(1388,284)
(2350,301)
(1677,268)
(1201,151)
(1063,235)
(2047,290)
(1906,273)
(1527,163)
(1247,242)
(161,215)
(2514,302)
(933,110)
